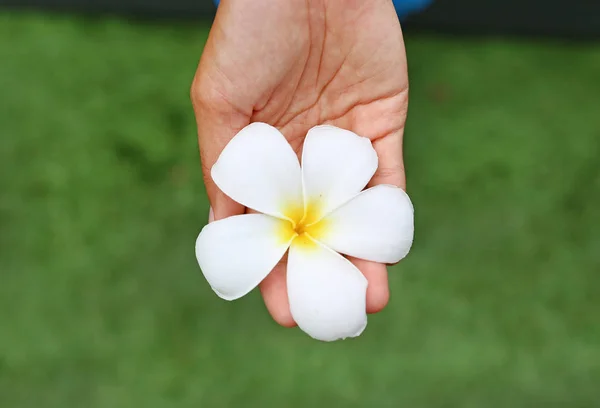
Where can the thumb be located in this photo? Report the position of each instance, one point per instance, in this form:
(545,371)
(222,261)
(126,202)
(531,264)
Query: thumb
(217,123)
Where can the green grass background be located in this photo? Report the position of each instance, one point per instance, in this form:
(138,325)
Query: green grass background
(102,303)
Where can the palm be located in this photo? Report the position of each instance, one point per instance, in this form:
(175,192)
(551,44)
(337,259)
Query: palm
(336,64)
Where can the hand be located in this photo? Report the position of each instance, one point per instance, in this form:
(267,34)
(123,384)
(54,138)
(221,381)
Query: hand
(295,64)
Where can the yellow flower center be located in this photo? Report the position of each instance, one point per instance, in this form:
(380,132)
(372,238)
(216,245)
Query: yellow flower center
(304,224)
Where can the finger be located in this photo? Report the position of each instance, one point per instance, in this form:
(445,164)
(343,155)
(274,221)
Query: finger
(378,292)
(215,130)
(390,168)
(390,171)
(391,164)
(274,291)
(217,120)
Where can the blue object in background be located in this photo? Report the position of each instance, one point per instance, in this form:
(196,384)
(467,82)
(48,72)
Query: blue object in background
(403,7)
(407,7)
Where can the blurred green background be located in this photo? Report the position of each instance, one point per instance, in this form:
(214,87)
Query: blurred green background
(102,303)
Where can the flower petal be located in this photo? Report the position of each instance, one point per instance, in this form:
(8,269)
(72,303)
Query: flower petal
(237,253)
(376,225)
(259,169)
(336,165)
(327,293)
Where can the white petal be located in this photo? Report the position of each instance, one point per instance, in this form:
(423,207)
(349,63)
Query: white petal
(259,169)
(336,165)
(327,293)
(237,253)
(376,225)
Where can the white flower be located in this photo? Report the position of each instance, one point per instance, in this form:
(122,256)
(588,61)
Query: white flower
(317,211)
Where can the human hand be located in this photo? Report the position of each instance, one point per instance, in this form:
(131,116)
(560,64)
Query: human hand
(297,64)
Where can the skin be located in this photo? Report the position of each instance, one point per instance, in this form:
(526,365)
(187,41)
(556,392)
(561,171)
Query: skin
(296,64)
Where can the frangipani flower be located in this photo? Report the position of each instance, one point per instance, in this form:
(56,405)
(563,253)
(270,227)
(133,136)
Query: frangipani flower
(317,212)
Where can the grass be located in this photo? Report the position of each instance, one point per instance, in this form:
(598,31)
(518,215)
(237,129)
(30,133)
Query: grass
(101,300)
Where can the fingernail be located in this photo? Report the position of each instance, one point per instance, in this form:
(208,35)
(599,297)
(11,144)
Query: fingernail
(211,215)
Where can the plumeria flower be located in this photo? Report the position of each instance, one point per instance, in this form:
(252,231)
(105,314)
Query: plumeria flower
(317,212)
